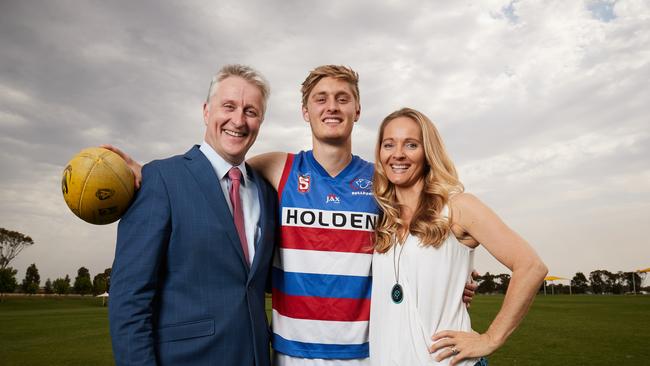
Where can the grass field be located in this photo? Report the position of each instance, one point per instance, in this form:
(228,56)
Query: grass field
(573,330)
(559,330)
(54,331)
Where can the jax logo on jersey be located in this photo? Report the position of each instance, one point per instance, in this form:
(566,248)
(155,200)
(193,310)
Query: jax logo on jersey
(332,198)
(304,182)
(361,186)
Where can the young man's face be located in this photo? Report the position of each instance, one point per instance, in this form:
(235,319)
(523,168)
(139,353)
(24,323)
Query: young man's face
(331,110)
(233,116)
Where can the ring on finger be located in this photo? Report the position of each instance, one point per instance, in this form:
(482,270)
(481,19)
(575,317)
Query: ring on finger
(454,350)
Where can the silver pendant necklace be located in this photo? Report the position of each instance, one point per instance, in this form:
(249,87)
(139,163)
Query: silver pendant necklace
(397,293)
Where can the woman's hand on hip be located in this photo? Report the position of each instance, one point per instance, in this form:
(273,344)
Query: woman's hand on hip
(461,345)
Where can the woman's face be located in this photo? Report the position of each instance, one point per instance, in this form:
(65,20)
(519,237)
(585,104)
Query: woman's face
(401,152)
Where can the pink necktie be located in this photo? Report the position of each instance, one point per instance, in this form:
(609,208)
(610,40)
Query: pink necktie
(237,213)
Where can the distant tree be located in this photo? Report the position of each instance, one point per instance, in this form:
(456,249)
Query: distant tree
(610,280)
(618,283)
(82,283)
(7,280)
(99,283)
(629,283)
(48,287)
(107,276)
(11,244)
(32,280)
(601,281)
(596,282)
(486,284)
(503,280)
(579,283)
(62,285)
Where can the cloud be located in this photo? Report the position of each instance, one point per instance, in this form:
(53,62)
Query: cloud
(557,159)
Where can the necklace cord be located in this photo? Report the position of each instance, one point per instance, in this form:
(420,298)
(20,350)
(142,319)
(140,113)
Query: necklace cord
(399,258)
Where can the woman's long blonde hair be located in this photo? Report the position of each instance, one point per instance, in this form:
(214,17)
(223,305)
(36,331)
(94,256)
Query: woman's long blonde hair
(440,180)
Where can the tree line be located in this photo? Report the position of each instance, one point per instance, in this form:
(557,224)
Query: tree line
(13,242)
(31,284)
(598,282)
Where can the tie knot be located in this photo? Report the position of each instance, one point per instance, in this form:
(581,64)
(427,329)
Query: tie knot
(234,173)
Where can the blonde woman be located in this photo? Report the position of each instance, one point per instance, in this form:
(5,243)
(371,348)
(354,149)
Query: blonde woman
(425,240)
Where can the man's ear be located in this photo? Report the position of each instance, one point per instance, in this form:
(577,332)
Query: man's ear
(206,109)
(358,113)
(305,114)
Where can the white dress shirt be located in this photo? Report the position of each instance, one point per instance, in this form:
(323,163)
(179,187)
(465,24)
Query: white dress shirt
(247,193)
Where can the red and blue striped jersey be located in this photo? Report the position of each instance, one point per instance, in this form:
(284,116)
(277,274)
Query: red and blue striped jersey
(321,272)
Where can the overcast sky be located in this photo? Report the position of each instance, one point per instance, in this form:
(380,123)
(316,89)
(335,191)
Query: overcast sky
(543,105)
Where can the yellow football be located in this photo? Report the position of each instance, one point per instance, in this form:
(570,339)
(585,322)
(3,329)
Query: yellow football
(97,185)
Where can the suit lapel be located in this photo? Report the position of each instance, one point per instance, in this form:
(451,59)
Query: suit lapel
(202,171)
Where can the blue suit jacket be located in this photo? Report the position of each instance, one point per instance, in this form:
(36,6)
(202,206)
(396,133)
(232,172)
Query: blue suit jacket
(181,292)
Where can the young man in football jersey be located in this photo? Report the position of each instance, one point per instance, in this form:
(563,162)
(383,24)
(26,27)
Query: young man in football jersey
(321,273)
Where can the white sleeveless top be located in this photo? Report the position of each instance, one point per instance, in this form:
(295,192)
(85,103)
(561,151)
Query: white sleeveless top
(433,280)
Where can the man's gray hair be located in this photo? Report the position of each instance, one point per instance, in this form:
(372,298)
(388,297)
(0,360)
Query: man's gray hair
(245,72)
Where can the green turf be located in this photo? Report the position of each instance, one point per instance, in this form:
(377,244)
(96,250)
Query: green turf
(573,330)
(559,330)
(54,331)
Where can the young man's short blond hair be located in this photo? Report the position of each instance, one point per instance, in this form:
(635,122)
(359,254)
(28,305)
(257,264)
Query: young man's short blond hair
(339,72)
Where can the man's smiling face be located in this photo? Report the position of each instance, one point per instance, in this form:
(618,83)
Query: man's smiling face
(233,116)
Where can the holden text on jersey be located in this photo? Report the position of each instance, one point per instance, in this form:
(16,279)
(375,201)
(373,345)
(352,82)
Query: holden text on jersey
(294,216)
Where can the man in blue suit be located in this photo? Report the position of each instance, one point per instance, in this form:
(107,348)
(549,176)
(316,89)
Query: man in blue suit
(194,249)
